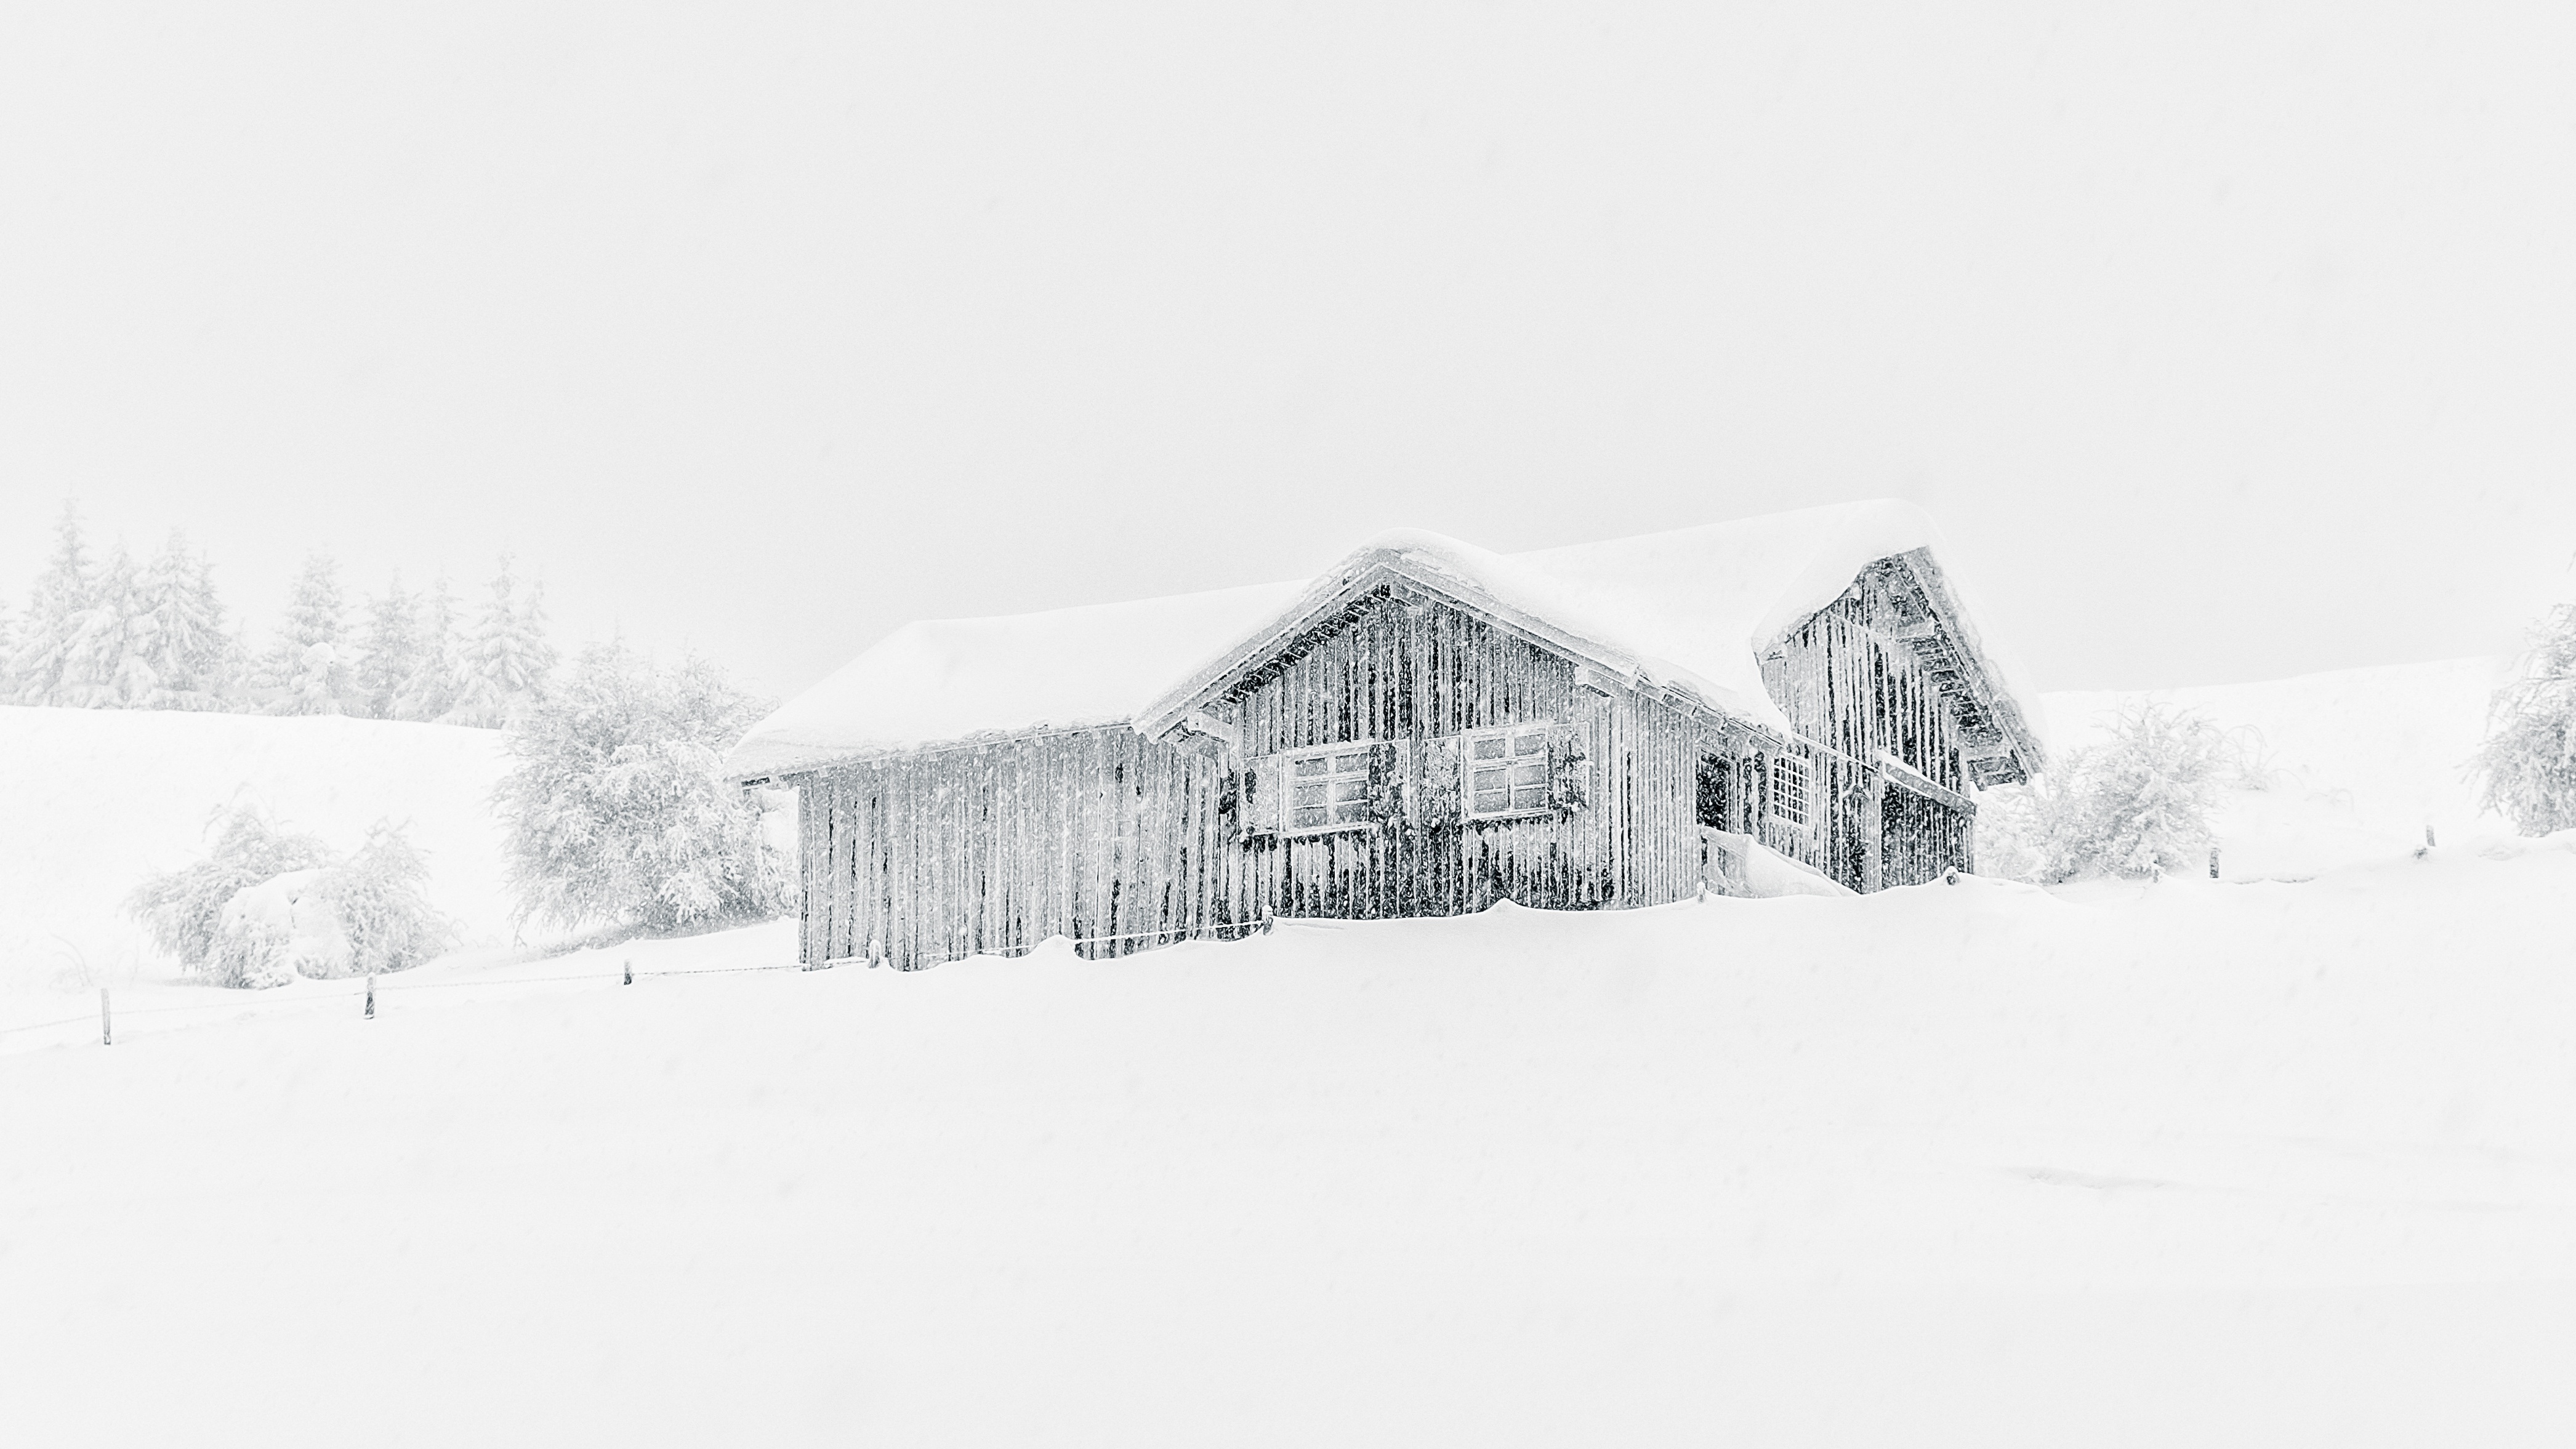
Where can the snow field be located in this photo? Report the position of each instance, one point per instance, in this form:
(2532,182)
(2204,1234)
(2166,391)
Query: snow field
(2358,761)
(93,801)
(2193,1163)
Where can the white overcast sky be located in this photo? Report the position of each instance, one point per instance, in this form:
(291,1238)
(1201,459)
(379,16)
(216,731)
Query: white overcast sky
(2225,341)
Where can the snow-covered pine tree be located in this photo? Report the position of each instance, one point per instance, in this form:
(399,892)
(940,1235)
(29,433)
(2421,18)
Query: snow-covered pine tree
(504,666)
(182,630)
(227,657)
(107,660)
(388,652)
(2529,757)
(306,671)
(430,691)
(61,596)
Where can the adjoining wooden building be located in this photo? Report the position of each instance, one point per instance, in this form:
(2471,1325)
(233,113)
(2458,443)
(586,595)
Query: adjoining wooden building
(1796,701)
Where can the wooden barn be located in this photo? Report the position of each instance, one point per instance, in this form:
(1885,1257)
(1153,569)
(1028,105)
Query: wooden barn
(1796,702)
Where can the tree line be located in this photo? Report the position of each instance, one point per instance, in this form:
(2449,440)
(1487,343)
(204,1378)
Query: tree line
(112,634)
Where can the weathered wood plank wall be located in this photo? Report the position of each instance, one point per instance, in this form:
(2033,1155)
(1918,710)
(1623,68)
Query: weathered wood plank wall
(1417,673)
(1856,693)
(994,847)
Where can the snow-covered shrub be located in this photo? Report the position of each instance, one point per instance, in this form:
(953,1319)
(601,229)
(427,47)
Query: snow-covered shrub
(2136,806)
(2529,757)
(375,898)
(273,932)
(183,910)
(266,906)
(616,812)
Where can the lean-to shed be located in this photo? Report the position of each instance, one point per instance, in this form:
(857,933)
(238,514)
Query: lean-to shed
(1424,729)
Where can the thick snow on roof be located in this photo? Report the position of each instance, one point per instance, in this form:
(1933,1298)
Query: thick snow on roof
(945,679)
(1696,606)
(1693,608)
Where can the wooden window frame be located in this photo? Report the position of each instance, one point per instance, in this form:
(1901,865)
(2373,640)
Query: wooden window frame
(1793,783)
(1514,759)
(1357,802)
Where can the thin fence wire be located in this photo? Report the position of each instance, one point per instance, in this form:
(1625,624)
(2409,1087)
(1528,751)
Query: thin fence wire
(259,1004)
(389,985)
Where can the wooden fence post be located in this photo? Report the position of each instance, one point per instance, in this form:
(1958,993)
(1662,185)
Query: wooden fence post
(371,996)
(630,973)
(106,1030)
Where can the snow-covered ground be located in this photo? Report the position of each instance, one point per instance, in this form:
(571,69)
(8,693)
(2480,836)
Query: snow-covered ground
(2203,1163)
(2262,1161)
(93,801)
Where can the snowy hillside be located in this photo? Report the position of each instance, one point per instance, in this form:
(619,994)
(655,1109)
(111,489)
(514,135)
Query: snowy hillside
(2263,1161)
(2196,1163)
(2357,762)
(92,801)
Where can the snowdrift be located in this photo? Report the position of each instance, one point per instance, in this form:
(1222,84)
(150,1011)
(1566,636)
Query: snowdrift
(93,801)
(2197,1163)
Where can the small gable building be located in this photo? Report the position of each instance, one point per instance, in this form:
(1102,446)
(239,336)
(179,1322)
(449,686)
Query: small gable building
(1794,702)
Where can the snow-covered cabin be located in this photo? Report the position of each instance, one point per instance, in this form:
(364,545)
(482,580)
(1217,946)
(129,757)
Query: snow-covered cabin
(1425,729)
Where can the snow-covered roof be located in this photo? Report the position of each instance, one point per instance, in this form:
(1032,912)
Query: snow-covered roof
(1689,611)
(947,679)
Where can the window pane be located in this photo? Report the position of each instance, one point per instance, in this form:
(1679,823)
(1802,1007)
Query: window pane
(1530,798)
(1491,778)
(1314,816)
(1342,763)
(1310,794)
(1493,802)
(1313,765)
(1532,774)
(1489,747)
(1533,743)
(1349,789)
(1351,813)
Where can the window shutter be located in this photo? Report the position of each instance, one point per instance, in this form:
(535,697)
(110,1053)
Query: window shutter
(1265,796)
(1385,782)
(1569,770)
(1274,787)
(1432,800)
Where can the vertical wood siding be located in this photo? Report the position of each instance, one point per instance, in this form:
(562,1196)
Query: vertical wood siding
(1856,692)
(994,848)
(1417,672)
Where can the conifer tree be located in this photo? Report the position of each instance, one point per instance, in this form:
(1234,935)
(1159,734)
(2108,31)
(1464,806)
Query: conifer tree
(181,630)
(388,652)
(430,690)
(2529,757)
(105,661)
(61,596)
(506,662)
(306,671)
